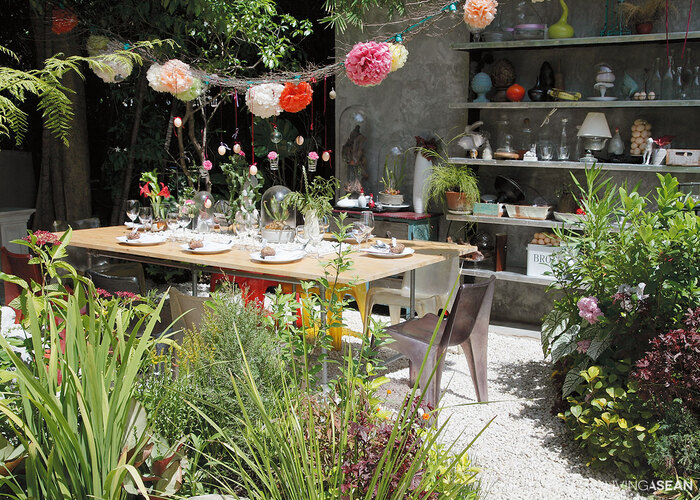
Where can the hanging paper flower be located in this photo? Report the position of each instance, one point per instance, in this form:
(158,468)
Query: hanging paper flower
(207,165)
(294,98)
(313,155)
(479,13)
(116,71)
(63,21)
(96,45)
(193,92)
(153,76)
(368,63)
(176,76)
(264,100)
(399,54)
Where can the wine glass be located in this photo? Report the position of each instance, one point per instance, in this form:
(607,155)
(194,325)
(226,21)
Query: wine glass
(358,231)
(368,223)
(302,235)
(132,210)
(173,223)
(146,216)
(184,217)
(324,224)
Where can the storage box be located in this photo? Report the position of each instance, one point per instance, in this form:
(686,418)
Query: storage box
(539,258)
(687,157)
(488,209)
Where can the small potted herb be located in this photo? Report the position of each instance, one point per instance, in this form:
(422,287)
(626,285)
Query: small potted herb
(392,179)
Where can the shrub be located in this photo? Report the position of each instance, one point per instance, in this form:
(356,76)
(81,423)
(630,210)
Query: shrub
(671,369)
(676,451)
(610,420)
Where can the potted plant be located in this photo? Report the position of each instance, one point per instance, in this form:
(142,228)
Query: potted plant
(156,194)
(278,222)
(314,202)
(454,185)
(392,179)
(643,15)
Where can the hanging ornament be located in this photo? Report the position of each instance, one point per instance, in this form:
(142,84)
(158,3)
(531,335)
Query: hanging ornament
(237,148)
(222,149)
(326,155)
(63,21)
(313,160)
(399,54)
(294,98)
(332,93)
(274,160)
(368,63)
(276,136)
(177,121)
(253,169)
(300,140)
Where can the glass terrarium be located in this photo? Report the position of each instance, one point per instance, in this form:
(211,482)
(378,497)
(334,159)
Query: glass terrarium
(204,202)
(277,222)
(391,165)
(354,129)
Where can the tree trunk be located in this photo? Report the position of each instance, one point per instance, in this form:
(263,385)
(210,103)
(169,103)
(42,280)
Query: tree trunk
(119,205)
(64,179)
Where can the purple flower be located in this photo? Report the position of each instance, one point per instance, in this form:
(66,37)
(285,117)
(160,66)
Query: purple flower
(206,164)
(588,309)
(582,346)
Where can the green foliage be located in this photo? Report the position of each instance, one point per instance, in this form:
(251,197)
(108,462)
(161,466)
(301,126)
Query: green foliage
(316,197)
(637,256)
(72,407)
(610,420)
(344,13)
(446,176)
(393,174)
(676,451)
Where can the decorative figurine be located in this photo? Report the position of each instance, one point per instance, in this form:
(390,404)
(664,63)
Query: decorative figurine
(648,150)
(481,85)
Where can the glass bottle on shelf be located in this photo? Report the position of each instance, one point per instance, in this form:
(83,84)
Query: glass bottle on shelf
(526,138)
(695,85)
(563,153)
(654,83)
(679,91)
(545,145)
(667,83)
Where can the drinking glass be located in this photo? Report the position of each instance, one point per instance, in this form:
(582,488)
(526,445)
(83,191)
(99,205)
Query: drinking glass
(173,223)
(358,232)
(368,222)
(146,216)
(324,224)
(302,235)
(132,209)
(184,217)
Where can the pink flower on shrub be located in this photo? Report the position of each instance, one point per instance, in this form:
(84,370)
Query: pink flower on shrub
(44,238)
(127,295)
(206,164)
(588,309)
(582,346)
(103,293)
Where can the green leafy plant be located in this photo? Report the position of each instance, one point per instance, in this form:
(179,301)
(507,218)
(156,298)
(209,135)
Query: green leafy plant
(394,174)
(447,176)
(316,197)
(610,421)
(676,451)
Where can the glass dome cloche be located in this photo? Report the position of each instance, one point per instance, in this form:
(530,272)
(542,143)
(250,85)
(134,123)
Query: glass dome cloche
(354,132)
(277,222)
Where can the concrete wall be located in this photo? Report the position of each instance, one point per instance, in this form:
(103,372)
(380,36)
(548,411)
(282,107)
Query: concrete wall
(415,101)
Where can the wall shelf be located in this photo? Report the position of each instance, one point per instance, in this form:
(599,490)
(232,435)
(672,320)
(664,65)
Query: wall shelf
(669,103)
(574,42)
(507,221)
(516,275)
(576,165)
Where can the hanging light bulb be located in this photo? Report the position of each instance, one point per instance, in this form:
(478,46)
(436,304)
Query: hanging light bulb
(332,93)
(177,121)
(300,140)
(276,136)
(236,148)
(326,155)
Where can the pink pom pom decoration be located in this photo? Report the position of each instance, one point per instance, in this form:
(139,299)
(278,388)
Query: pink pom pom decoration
(207,165)
(368,63)
(479,13)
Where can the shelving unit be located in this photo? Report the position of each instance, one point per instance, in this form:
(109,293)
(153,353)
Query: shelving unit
(575,165)
(516,275)
(508,221)
(577,104)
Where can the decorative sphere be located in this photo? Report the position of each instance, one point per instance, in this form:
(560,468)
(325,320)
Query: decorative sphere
(177,121)
(276,136)
(300,140)
(503,73)
(332,94)
(236,148)
(326,156)
(222,150)
(253,169)
(481,83)
(515,93)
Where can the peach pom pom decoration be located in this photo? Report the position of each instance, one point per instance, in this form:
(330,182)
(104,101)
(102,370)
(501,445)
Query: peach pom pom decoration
(294,98)
(399,54)
(264,100)
(479,13)
(368,63)
(176,77)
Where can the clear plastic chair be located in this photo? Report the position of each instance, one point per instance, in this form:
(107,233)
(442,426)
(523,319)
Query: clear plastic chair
(467,325)
(433,286)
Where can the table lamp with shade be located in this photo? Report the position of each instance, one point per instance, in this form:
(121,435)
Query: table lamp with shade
(594,133)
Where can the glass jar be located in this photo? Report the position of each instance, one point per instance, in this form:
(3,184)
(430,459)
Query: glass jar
(354,133)
(278,223)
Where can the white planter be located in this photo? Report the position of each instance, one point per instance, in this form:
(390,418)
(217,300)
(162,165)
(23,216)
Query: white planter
(421,171)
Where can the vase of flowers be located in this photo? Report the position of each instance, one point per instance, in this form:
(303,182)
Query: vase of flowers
(313,160)
(314,203)
(157,193)
(274,160)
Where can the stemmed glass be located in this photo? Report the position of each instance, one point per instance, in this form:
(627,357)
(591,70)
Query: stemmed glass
(363,228)
(132,210)
(184,217)
(146,217)
(368,221)
(302,235)
(173,224)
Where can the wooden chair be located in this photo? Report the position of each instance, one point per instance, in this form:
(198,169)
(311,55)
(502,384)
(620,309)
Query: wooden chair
(191,308)
(467,325)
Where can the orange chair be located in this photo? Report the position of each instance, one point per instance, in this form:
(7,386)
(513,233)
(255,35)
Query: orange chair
(18,265)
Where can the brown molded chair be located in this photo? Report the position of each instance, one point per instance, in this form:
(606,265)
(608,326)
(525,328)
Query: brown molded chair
(467,325)
(112,282)
(192,311)
(18,265)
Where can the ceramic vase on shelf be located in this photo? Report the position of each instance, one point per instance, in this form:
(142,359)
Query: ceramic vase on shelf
(562,29)
(481,84)
(421,171)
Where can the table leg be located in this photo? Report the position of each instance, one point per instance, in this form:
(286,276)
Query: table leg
(324,319)
(195,280)
(412,295)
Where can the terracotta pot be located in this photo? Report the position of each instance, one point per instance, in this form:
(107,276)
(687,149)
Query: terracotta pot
(458,202)
(644,28)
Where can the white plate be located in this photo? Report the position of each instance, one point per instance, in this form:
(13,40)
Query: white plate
(209,247)
(375,252)
(605,98)
(281,257)
(144,240)
(460,212)
(394,208)
(568,217)
(130,224)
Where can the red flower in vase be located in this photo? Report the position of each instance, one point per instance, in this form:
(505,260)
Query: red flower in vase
(164,191)
(145,190)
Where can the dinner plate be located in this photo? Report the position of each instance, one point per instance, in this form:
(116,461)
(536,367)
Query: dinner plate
(130,224)
(209,247)
(394,208)
(385,253)
(145,240)
(568,217)
(281,257)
